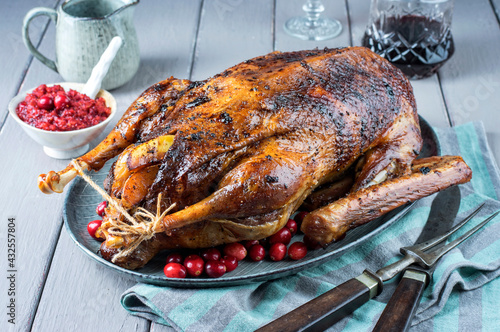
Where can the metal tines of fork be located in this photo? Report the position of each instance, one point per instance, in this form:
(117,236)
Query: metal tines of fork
(417,254)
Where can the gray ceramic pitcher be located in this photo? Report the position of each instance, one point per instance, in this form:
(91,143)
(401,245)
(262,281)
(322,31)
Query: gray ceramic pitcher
(84,29)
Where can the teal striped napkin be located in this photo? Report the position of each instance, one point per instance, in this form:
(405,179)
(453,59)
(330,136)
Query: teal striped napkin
(463,295)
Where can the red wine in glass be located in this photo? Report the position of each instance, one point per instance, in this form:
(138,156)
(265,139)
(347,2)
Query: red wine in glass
(417,45)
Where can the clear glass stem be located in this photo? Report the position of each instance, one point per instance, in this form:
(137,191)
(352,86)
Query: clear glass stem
(313,9)
(312,26)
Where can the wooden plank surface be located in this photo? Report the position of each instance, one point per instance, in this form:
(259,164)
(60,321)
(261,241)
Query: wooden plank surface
(82,295)
(471,78)
(231,31)
(59,274)
(59,288)
(38,217)
(496,8)
(14,56)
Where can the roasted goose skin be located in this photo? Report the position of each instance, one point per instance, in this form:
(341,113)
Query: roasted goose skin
(429,175)
(240,152)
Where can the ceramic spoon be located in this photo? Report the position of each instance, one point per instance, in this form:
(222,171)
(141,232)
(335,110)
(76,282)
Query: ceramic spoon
(100,70)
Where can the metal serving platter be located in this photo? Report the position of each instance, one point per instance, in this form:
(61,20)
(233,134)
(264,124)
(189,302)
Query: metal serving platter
(81,201)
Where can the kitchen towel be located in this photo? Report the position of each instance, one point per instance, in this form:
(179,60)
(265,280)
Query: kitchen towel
(463,294)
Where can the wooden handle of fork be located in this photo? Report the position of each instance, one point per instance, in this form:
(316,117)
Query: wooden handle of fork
(325,310)
(403,304)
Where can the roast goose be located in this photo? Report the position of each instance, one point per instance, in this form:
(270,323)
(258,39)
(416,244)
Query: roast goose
(240,152)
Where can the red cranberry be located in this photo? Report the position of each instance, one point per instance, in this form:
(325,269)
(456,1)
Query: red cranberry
(299,217)
(277,252)
(297,250)
(194,265)
(257,253)
(82,113)
(60,101)
(174,270)
(93,226)
(101,208)
(45,102)
(249,243)
(211,254)
(292,226)
(174,257)
(236,250)
(230,262)
(215,269)
(311,243)
(282,236)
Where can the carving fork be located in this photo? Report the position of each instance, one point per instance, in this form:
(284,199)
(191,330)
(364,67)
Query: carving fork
(325,310)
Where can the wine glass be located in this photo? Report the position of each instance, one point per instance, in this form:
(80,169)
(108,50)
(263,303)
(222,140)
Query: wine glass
(311,26)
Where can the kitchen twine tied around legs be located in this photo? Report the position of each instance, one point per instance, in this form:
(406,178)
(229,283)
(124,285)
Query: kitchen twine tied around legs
(141,225)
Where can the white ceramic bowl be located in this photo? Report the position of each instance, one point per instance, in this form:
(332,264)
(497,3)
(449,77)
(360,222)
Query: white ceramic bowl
(64,144)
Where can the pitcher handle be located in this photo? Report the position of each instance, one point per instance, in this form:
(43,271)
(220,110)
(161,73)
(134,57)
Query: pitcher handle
(38,11)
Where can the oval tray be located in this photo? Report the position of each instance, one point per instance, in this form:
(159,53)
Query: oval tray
(81,201)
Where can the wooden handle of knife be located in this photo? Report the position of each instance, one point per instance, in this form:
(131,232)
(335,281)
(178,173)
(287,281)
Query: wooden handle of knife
(325,310)
(403,304)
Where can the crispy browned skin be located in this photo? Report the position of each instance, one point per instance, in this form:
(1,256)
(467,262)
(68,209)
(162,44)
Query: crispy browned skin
(254,141)
(293,120)
(429,175)
(239,152)
(158,98)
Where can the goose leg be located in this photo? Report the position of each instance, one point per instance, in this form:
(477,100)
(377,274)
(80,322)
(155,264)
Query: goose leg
(428,176)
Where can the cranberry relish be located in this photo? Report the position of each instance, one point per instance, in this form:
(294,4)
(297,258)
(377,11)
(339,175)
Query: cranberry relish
(53,109)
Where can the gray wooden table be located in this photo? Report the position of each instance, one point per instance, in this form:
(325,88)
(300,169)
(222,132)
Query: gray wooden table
(57,287)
